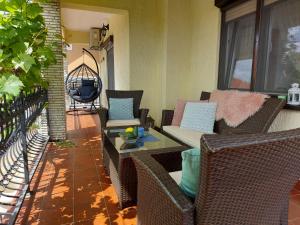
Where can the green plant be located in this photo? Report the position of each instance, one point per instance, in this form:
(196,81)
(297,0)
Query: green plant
(34,126)
(65,144)
(23,49)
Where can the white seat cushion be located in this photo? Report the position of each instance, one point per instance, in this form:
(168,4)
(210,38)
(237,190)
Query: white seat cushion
(187,136)
(176,176)
(123,123)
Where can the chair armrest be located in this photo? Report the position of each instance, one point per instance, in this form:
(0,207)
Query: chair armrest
(103,115)
(143,116)
(159,194)
(167,117)
(215,142)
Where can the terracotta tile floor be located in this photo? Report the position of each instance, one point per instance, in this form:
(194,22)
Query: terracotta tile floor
(71,186)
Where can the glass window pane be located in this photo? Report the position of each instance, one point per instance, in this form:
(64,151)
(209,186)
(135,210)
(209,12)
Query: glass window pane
(280,48)
(239,52)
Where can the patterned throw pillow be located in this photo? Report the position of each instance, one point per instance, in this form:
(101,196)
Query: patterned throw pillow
(199,116)
(120,109)
(179,110)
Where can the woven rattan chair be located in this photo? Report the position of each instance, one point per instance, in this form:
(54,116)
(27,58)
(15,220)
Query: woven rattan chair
(138,113)
(244,180)
(260,122)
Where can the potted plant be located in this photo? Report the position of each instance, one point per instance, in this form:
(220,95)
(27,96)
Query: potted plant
(23,48)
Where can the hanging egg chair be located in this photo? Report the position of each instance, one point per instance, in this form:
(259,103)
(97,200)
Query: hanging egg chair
(83,84)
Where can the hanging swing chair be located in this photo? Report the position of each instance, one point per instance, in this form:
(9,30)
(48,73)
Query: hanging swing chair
(83,84)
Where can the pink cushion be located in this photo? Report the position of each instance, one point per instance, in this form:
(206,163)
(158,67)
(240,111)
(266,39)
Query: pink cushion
(179,110)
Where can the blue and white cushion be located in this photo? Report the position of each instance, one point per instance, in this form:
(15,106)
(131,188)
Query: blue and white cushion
(199,116)
(120,109)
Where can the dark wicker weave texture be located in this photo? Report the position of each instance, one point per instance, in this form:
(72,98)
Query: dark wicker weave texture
(123,176)
(244,180)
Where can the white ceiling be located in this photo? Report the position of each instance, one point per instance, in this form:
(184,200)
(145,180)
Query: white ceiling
(82,20)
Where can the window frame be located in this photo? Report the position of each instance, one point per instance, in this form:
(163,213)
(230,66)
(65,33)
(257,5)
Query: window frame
(226,5)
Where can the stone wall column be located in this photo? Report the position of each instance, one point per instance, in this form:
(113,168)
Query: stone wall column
(55,73)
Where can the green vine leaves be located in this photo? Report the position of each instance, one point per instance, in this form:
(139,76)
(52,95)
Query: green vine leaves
(23,48)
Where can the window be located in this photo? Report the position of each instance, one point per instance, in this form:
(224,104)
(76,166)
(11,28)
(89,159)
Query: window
(276,63)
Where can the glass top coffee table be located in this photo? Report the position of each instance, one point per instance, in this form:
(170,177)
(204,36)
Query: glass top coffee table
(152,140)
(119,165)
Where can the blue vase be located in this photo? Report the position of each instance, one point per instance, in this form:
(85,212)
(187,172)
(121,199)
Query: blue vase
(141,131)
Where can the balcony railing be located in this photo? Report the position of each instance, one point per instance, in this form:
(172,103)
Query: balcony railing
(23,139)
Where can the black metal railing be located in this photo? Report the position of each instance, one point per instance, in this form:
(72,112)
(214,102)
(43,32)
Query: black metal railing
(23,139)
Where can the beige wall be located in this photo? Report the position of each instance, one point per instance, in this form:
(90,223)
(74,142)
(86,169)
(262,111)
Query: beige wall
(76,36)
(147,51)
(178,51)
(119,28)
(192,45)
(206,23)
(160,34)
(146,39)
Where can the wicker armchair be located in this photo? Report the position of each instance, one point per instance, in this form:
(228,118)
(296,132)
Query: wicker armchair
(138,113)
(244,179)
(260,122)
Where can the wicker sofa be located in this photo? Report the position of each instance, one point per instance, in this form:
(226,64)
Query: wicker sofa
(140,115)
(258,123)
(244,179)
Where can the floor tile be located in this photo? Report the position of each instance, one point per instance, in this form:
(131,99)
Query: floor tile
(99,220)
(72,186)
(294,222)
